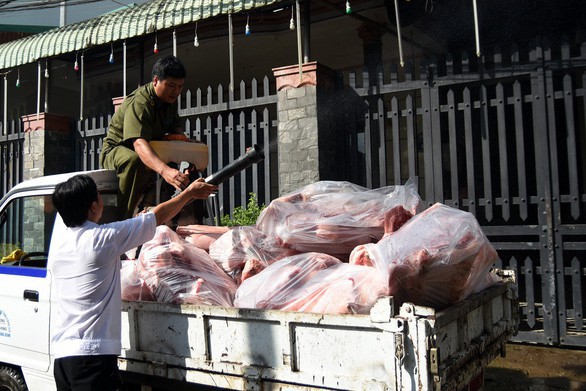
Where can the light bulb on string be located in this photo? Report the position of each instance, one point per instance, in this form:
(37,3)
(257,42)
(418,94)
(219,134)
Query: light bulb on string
(46,70)
(292,21)
(155,48)
(18,78)
(348,9)
(247,28)
(111,59)
(195,40)
(76,64)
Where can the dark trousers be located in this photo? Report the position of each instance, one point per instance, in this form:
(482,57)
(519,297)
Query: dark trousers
(87,373)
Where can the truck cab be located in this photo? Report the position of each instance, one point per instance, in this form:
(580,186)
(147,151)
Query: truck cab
(26,223)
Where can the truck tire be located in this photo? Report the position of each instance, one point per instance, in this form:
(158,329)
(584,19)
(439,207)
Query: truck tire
(11,379)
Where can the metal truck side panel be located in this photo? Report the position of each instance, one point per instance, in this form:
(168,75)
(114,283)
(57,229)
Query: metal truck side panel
(417,349)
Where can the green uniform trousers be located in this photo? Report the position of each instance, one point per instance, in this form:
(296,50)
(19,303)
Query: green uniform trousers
(132,174)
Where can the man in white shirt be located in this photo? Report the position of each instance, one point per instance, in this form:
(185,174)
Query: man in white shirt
(84,259)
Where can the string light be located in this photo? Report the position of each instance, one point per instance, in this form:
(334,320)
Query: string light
(247,28)
(76,64)
(155,48)
(348,9)
(292,21)
(46,69)
(111,59)
(17,77)
(195,40)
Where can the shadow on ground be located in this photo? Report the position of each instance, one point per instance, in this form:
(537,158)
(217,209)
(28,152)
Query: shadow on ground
(537,368)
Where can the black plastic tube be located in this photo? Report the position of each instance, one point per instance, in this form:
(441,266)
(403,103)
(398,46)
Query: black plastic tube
(254,155)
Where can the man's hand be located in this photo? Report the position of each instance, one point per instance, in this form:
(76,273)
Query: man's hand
(175,178)
(199,189)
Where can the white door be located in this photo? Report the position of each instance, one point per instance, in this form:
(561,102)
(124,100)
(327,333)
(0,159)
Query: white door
(25,284)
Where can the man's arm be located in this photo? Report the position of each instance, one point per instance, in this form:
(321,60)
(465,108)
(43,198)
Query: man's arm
(150,158)
(168,209)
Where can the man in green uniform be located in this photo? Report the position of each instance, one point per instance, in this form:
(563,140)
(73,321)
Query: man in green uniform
(147,114)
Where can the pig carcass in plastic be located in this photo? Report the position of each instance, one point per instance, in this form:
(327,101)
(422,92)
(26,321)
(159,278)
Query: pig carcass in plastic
(333,217)
(178,272)
(201,236)
(133,287)
(313,282)
(439,257)
(244,251)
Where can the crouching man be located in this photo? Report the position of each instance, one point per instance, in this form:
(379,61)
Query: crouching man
(84,260)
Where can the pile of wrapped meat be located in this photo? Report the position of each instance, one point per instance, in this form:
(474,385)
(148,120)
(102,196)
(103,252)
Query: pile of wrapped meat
(330,247)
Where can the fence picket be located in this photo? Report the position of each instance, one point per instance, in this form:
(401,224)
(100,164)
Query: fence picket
(470,174)
(520,150)
(486,155)
(503,158)
(241,129)
(571,152)
(396,140)
(453,147)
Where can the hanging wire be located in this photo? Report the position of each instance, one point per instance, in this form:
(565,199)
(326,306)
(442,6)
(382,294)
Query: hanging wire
(174,43)
(292,21)
(231,49)
(476,32)
(195,40)
(399,39)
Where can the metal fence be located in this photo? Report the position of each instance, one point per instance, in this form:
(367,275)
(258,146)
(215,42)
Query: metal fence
(12,162)
(504,137)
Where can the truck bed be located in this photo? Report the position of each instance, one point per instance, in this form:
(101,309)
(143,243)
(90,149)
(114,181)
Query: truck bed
(406,348)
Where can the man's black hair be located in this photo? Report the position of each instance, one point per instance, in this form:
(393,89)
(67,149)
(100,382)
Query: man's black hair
(73,199)
(169,66)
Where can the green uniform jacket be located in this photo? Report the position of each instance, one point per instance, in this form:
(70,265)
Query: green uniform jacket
(141,115)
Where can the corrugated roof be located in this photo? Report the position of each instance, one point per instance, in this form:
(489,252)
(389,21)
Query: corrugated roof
(127,23)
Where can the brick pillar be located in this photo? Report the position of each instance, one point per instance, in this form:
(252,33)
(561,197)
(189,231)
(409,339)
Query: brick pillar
(309,118)
(117,102)
(47,150)
(47,145)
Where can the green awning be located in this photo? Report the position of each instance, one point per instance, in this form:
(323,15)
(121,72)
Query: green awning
(127,23)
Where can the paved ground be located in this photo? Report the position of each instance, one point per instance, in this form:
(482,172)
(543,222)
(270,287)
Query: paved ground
(537,368)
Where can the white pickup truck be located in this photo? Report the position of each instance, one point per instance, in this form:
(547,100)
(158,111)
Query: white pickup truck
(406,348)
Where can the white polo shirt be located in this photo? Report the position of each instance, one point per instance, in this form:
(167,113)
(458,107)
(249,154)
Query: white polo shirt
(84,263)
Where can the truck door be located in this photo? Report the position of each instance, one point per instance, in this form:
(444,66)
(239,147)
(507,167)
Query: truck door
(25,284)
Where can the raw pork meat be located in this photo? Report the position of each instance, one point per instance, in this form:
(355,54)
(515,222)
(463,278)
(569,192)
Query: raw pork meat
(340,289)
(244,251)
(177,272)
(132,286)
(334,217)
(437,258)
(201,236)
(274,287)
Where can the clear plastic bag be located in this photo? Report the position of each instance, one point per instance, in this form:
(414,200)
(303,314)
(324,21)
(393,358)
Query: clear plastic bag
(334,217)
(244,251)
(313,282)
(274,287)
(178,272)
(133,288)
(439,257)
(201,236)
